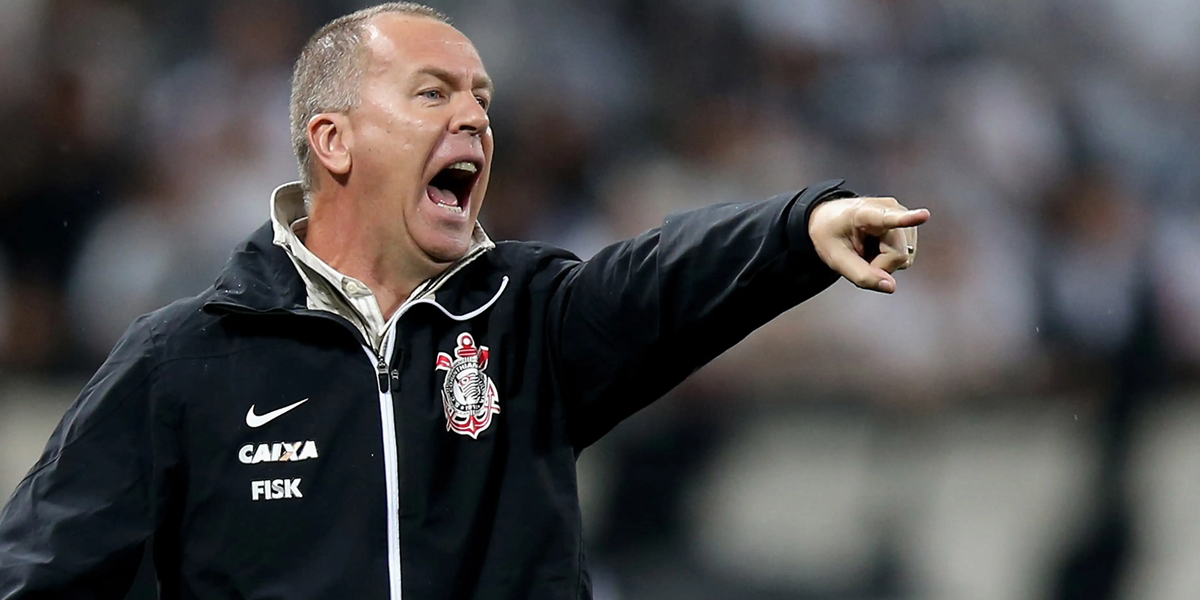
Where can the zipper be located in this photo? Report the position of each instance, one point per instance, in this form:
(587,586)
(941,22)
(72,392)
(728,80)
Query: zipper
(381,369)
(387,417)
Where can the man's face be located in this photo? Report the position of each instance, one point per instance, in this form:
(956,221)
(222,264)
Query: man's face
(422,140)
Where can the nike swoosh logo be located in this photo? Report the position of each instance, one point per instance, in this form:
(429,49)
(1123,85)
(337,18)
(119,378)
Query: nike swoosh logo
(254,420)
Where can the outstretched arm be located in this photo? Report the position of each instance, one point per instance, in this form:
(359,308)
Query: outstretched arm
(643,314)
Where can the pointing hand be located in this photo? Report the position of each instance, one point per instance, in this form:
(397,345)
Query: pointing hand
(866,239)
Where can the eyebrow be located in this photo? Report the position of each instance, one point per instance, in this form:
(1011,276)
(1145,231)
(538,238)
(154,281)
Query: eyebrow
(480,81)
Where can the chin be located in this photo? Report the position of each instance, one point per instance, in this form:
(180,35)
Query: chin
(447,250)
(440,237)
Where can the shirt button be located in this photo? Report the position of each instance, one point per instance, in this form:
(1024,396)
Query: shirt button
(353,288)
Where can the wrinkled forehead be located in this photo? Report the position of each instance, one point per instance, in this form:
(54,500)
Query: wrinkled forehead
(396,40)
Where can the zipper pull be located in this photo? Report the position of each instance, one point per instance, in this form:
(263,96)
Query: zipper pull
(381,369)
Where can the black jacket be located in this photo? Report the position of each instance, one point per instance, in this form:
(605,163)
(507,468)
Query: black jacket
(385,482)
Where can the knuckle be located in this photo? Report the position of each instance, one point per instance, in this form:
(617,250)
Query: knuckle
(894,261)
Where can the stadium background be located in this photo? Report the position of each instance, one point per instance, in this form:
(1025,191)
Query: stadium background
(1020,422)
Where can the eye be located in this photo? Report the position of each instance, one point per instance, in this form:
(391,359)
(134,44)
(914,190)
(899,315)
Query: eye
(432,94)
(482,102)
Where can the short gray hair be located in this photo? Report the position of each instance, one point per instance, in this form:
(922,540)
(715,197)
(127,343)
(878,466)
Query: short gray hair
(329,71)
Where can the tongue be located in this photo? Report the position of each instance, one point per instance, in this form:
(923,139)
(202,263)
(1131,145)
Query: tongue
(443,197)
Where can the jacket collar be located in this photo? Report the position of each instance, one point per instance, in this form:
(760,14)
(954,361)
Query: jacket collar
(263,276)
(259,277)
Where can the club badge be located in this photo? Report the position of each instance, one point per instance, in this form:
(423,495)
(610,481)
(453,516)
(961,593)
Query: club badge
(468,396)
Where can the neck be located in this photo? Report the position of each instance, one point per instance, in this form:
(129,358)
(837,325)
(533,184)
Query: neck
(355,243)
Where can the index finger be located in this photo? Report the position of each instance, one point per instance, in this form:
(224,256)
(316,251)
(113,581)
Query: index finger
(878,220)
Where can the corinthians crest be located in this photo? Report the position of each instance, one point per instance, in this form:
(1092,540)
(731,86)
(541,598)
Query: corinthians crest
(468,396)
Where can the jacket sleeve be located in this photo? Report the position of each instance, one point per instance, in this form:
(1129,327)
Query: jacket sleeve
(643,314)
(76,525)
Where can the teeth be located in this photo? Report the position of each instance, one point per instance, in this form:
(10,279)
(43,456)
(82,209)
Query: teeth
(454,209)
(463,165)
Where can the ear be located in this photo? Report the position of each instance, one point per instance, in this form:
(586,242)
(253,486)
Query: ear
(331,140)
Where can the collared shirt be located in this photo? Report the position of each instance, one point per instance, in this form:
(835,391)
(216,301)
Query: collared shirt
(330,290)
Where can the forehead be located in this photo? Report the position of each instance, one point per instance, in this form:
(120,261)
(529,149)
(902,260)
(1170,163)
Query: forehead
(411,42)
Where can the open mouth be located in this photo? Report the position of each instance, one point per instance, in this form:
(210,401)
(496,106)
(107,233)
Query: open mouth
(451,187)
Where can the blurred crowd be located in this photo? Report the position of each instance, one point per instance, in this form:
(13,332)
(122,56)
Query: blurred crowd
(1057,143)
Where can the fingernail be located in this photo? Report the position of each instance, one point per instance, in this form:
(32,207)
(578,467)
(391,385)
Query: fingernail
(886,286)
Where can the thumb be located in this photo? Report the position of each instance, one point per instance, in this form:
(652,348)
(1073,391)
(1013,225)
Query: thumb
(844,260)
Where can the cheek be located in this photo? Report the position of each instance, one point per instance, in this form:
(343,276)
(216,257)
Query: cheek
(481,186)
(396,135)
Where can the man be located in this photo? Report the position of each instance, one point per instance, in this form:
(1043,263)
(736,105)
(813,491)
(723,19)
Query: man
(374,401)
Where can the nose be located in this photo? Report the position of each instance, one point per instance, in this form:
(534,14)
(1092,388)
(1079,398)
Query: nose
(470,117)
